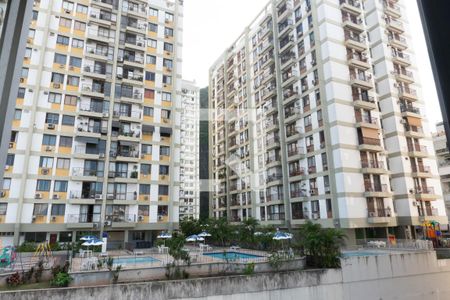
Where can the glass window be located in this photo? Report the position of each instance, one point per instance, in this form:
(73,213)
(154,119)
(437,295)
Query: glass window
(6,183)
(163,190)
(40,209)
(153,12)
(79,26)
(67,5)
(167,79)
(144,189)
(49,140)
(62,40)
(28,53)
(17,114)
(65,141)
(35,15)
(146,149)
(149,94)
(166,96)
(148,111)
(3,208)
(168,63)
(165,114)
(68,120)
(57,78)
(64,22)
(24,73)
(51,118)
(151,59)
(60,186)
(169,17)
(82,9)
(58,209)
(152,43)
(168,47)
(31,33)
(163,170)
(63,163)
(146,169)
(168,31)
(75,62)
(150,76)
(153,27)
(21,93)
(73,80)
(76,43)
(46,162)
(60,59)
(70,100)
(10,159)
(54,98)
(43,185)
(164,150)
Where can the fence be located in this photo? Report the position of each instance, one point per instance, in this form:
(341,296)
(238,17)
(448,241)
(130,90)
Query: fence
(398,244)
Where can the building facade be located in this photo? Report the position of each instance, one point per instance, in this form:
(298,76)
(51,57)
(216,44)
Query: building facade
(95,145)
(443,159)
(189,162)
(316,115)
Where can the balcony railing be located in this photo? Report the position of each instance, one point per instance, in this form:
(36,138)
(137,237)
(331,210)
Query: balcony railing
(355,38)
(410,108)
(273,177)
(413,129)
(85,195)
(363,97)
(425,190)
(357,56)
(354,20)
(127,196)
(89,107)
(83,218)
(361,77)
(380,212)
(372,164)
(376,187)
(121,218)
(366,119)
(417,148)
(296,151)
(296,172)
(369,141)
(401,55)
(298,193)
(77,171)
(129,114)
(100,52)
(276,216)
(354,3)
(403,72)
(407,90)
(421,169)
(274,197)
(394,38)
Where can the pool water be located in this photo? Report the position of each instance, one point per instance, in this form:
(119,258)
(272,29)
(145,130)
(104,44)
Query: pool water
(232,255)
(361,253)
(133,260)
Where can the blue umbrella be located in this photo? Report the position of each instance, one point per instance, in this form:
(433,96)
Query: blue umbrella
(204,234)
(93,242)
(194,238)
(279,235)
(88,238)
(164,235)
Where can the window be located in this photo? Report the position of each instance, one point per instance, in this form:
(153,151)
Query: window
(149,94)
(82,9)
(169,17)
(153,12)
(168,63)
(164,150)
(57,78)
(70,100)
(31,33)
(17,114)
(28,52)
(153,27)
(24,73)
(150,76)
(144,189)
(52,118)
(168,31)
(167,79)
(58,209)
(64,22)
(73,80)
(6,183)
(148,111)
(49,140)
(76,43)
(165,114)
(163,190)
(35,15)
(62,40)
(21,93)
(68,120)
(65,141)
(168,47)
(63,163)
(60,186)
(146,169)
(166,96)
(43,185)
(60,59)
(147,149)
(152,43)
(66,5)
(46,162)
(151,59)
(311,39)
(54,98)
(75,62)
(163,170)
(40,209)
(79,26)
(10,159)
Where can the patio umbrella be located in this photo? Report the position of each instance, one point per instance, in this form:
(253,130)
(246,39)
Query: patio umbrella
(164,236)
(281,236)
(93,242)
(88,238)
(204,234)
(194,238)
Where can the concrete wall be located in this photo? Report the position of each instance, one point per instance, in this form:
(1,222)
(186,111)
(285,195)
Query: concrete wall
(397,276)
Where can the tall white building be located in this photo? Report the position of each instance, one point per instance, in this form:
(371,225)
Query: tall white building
(443,159)
(190,139)
(317,115)
(95,144)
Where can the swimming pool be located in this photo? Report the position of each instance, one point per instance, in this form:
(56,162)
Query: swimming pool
(134,260)
(232,255)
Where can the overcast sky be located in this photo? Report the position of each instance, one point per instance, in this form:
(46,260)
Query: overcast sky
(211,26)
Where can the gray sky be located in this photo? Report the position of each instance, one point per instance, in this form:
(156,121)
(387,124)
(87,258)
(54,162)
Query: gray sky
(210,26)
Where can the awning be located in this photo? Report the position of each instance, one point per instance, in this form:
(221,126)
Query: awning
(370,133)
(86,139)
(148,128)
(128,143)
(165,130)
(412,121)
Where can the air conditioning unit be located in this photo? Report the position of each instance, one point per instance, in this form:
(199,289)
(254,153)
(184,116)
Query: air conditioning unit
(110,197)
(304,88)
(101,155)
(29,40)
(49,148)
(146,198)
(107,223)
(11,145)
(372,214)
(315,216)
(71,68)
(67,11)
(160,198)
(56,85)
(51,126)
(105,115)
(313,62)
(45,171)
(415,203)
(55,196)
(53,218)
(33,219)
(111,174)
(141,218)
(22,79)
(98,196)
(38,196)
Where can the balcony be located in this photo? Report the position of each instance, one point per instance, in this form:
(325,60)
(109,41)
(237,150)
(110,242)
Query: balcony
(364,101)
(409,110)
(298,193)
(82,221)
(379,216)
(273,177)
(99,53)
(373,167)
(401,58)
(84,129)
(392,9)
(407,93)
(121,220)
(370,144)
(398,42)
(376,190)
(358,60)
(403,76)
(276,217)
(287,59)
(355,41)
(101,17)
(366,121)
(296,172)
(414,131)
(79,173)
(417,151)
(295,152)
(132,116)
(394,25)
(96,72)
(289,95)
(99,36)
(361,80)
(289,77)
(274,197)
(353,23)
(425,193)
(351,6)
(286,43)
(421,171)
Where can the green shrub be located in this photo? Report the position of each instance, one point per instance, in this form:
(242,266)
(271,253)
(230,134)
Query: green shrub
(39,271)
(62,279)
(275,260)
(26,247)
(249,268)
(28,275)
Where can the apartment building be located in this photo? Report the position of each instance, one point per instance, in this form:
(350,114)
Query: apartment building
(316,115)
(443,159)
(95,145)
(190,140)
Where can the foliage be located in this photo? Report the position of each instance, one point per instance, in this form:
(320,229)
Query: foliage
(27,247)
(176,245)
(221,231)
(110,263)
(39,270)
(58,269)
(100,263)
(249,268)
(247,229)
(275,260)
(14,280)
(28,275)
(321,245)
(115,273)
(61,279)
(190,226)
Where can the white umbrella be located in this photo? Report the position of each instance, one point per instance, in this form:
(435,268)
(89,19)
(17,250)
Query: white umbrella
(204,233)
(93,242)
(279,235)
(164,236)
(88,238)
(194,238)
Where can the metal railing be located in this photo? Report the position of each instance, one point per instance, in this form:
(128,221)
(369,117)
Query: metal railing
(376,187)
(121,218)
(83,218)
(372,164)
(79,171)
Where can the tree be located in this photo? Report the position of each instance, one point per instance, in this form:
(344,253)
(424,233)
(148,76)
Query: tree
(221,231)
(320,245)
(190,226)
(247,231)
(176,250)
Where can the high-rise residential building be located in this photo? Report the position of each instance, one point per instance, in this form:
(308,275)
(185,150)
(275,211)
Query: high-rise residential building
(95,145)
(189,162)
(316,115)
(443,159)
